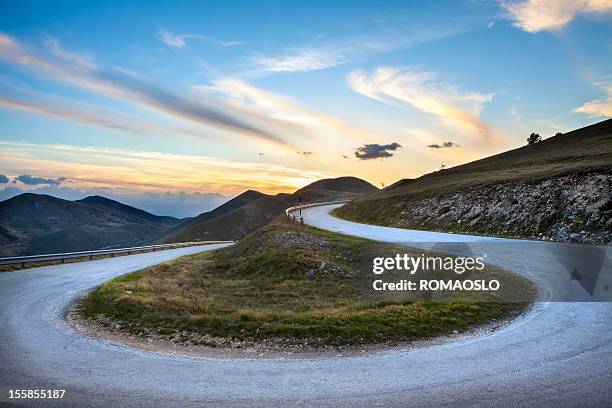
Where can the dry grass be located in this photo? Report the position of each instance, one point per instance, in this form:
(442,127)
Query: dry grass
(259,290)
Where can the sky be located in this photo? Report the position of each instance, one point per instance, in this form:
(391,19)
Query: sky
(176,106)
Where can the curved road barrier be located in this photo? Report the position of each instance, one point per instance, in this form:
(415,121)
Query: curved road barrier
(290,210)
(557,354)
(22,260)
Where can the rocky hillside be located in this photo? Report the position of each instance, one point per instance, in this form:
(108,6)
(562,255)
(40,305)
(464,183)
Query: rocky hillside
(565,208)
(558,189)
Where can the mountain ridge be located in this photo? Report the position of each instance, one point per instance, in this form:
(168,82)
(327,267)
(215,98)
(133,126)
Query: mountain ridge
(262,210)
(39,223)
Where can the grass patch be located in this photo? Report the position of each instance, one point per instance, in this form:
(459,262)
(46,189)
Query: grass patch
(286,282)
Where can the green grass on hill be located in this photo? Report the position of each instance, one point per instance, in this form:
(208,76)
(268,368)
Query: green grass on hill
(270,287)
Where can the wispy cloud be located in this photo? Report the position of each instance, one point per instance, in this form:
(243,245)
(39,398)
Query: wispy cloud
(283,108)
(299,60)
(423,91)
(108,120)
(128,88)
(544,15)
(334,53)
(140,171)
(180,40)
(599,107)
(86,62)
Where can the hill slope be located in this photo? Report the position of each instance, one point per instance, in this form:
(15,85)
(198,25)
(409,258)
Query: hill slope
(235,219)
(191,227)
(127,211)
(38,223)
(557,189)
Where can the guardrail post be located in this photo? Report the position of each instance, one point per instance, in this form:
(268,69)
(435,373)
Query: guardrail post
(62,260)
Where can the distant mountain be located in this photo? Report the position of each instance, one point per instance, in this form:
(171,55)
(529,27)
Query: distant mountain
(231,205)
(556,189)
(37,223)
(127,211)
(252,210)
(190,227)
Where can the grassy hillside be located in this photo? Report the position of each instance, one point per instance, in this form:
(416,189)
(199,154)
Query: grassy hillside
(194,230)
(127,211)
(581,151)
(252,210)
(37,223)
(289,285)
(549,177)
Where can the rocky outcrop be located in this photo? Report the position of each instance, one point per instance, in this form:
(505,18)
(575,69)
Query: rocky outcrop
(571,208)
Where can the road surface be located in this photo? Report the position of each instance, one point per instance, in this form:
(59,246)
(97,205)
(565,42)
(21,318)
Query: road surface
(559,354)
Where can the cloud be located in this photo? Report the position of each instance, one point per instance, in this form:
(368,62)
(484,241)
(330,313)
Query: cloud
(34,181)
(109,120)
(491,24)
(422,91)
(283,108)
(299,60)
(85,62)
(130,89)
(376,151)
(334,53)
(138,171)
(179,40)
(598,107)
(444,145)
(172,40)
(545,15)
(3,179)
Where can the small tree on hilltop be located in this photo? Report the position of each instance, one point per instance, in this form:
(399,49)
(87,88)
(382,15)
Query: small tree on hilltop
(534,138)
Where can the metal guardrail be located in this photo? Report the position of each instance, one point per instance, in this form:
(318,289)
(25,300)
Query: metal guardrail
(289,210)
(108,252)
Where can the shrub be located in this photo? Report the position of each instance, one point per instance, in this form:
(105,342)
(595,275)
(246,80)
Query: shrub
(534,138)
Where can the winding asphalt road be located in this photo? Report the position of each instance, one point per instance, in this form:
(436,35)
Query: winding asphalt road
(559,354)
